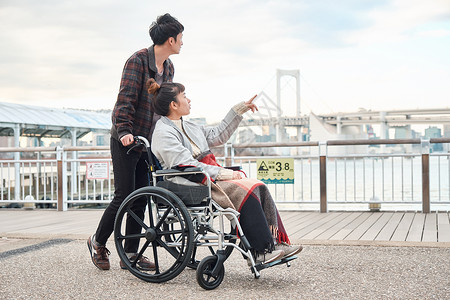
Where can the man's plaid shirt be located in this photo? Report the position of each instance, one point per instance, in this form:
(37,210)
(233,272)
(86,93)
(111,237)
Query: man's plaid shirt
(132,113)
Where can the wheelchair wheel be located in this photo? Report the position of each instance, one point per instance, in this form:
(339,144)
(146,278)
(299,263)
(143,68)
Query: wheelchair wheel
(204,276)
(146,211)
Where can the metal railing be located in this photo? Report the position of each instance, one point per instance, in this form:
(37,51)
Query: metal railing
(324,179)
(52,179)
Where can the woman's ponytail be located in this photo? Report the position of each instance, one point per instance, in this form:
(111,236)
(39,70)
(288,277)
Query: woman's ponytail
(152,86)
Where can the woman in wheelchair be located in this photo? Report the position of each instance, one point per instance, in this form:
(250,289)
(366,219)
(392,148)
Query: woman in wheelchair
(178,143)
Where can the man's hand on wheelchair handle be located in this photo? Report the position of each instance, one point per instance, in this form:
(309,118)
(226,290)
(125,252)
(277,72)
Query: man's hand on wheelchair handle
(127,139)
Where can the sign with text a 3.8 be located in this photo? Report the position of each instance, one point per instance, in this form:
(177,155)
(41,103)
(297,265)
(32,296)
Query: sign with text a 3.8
(275,170)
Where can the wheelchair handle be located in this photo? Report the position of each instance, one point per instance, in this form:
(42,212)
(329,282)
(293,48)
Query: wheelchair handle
(143,140)
(139,141)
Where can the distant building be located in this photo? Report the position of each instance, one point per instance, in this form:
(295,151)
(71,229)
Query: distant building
(446,147)
(446,131)
(370,132)
(434,132)
(403,132)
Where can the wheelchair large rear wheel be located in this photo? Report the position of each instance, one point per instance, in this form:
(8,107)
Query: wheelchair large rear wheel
(148,210)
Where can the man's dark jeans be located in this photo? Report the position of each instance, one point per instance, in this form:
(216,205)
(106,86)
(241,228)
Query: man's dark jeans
(130,173)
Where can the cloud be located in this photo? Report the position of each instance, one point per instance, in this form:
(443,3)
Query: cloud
(350,53)
(55,52)
(434,33)
(399,20)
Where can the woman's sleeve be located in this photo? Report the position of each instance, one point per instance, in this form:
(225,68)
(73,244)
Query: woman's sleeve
(170,151)
(220,134)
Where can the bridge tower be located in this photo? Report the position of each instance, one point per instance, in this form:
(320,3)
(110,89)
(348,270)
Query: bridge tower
(280,125)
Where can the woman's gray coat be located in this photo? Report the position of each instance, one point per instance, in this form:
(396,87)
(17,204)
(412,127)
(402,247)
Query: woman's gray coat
(172,148)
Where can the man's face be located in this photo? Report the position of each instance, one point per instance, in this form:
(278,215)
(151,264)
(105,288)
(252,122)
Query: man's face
(176,44)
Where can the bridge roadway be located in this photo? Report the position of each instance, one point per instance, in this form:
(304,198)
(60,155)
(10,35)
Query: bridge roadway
(347,255)
(362,117)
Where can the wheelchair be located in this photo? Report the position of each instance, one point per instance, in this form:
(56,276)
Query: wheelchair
(179,219)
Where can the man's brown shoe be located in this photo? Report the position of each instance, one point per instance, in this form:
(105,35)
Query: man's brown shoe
(143,263)
(99,255)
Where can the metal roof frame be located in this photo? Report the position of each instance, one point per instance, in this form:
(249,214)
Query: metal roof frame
(40,122)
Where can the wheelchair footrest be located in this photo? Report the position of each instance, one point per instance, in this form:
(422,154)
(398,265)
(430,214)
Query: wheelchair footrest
(262,266)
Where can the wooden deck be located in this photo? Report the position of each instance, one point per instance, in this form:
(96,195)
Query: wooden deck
(367,226)
(353,228)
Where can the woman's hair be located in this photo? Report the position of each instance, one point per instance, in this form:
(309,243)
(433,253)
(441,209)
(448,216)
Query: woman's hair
(165,27)
(164,94)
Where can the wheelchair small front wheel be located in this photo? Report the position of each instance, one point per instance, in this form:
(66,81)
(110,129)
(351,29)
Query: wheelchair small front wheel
(205,278)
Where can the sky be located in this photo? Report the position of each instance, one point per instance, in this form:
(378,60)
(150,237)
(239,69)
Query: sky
(352,54)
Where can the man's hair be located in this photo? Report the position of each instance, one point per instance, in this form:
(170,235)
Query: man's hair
(164,28)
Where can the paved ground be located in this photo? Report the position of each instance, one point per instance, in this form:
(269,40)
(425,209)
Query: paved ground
(45,264)
(61,269)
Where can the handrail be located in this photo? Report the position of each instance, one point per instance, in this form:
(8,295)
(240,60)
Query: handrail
(85,148)
(28,149)
(53,149)
(246,145)
(373,142)
(275,144)
(340,143)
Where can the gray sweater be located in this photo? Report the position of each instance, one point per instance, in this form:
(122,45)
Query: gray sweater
(172,148)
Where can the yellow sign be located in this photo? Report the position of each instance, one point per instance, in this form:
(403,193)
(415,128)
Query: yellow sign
(275,170)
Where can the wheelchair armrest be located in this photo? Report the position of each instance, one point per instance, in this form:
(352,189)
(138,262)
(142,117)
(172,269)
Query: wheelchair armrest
(178,172)
(234,168)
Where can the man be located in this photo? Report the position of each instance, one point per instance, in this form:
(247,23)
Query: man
(131,117)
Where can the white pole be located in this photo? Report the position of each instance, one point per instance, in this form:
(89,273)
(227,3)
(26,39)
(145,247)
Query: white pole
(17,184)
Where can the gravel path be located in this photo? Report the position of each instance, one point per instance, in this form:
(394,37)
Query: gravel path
(62,269)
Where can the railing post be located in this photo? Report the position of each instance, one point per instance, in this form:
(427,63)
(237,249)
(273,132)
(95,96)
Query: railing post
(323,176)
(228,156)
(232,154)
(17,178)
(62,179)
(74,164)
(425,145)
